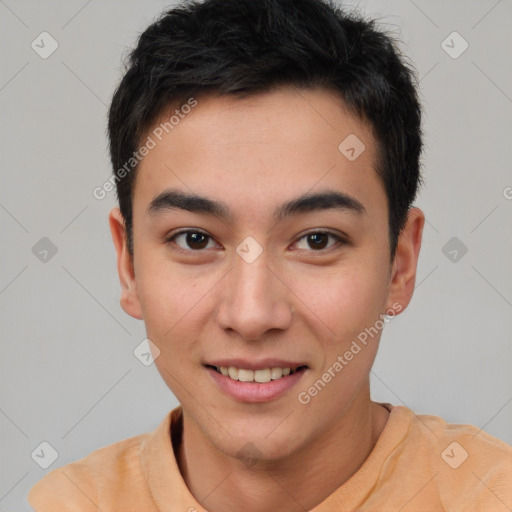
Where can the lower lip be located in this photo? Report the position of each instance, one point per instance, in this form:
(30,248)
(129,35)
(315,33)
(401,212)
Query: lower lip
(256,391)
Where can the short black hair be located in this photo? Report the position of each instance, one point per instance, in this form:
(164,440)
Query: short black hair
(245,47)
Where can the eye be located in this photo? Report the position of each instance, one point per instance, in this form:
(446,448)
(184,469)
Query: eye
(196,241)
(318,240)
(191,240)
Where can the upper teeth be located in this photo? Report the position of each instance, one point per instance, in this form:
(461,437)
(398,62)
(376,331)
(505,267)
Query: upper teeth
(244,375)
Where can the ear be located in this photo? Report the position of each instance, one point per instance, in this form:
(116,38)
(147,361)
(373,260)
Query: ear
(403,274)
(129,298)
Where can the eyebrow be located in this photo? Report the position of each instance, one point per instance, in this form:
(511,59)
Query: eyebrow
(173,199)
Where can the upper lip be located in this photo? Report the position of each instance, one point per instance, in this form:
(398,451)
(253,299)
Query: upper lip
(261,364)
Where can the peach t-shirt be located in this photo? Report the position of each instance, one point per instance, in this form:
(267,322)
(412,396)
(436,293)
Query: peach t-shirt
(420,463)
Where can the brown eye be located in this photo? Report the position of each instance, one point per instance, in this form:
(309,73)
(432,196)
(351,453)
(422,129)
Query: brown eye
(318,240)
(191,240)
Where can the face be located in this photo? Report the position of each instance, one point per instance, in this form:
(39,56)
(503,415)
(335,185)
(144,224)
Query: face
(283,264)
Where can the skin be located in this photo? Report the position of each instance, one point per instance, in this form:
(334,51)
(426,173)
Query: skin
(293,302)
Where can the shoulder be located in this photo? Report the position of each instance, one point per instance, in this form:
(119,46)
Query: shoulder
(77,485)
(462,442)
(471,466)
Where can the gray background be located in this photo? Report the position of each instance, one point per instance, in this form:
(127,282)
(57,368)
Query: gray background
(68,373)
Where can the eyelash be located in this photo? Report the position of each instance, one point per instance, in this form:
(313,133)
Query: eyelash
(340,240)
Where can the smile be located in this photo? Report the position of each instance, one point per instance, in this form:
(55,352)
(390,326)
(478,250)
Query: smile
(261,376)
(258,384)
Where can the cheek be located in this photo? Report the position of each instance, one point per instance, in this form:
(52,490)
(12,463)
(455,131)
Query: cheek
(344,302)
(170,306)
(164,299)
(173,301)
(350,305)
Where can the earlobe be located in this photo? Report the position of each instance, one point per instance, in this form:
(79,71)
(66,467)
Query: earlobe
(129,298)
(403,277)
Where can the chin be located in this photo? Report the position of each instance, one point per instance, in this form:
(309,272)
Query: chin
(251,442)
(252,450)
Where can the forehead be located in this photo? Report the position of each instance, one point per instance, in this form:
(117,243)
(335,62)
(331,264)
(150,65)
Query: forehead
(256,152)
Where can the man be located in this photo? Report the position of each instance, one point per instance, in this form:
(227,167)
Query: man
(266,158)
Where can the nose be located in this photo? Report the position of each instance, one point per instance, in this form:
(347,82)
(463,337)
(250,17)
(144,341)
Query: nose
(255,299)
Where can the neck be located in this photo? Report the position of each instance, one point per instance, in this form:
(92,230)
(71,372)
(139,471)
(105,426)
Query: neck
(302,480)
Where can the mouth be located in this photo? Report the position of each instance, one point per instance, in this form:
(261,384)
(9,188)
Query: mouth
(255,382)
(260,376)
